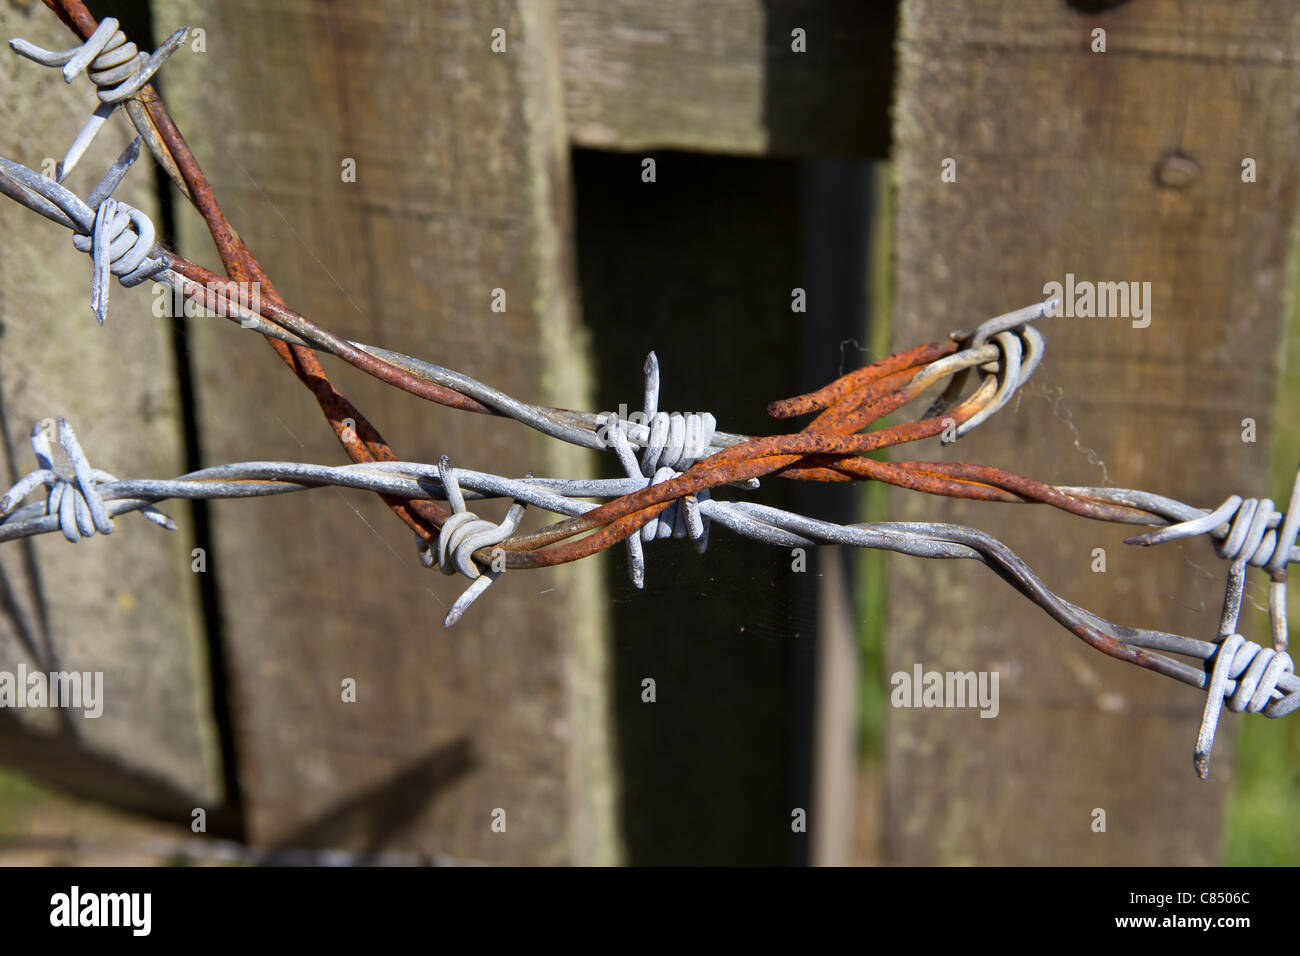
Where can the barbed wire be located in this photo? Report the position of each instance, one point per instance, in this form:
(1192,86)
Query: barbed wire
(116,67)
(684,457)
(1248,676)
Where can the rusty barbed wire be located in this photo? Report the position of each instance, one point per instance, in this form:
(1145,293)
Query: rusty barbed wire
(684,457)
(362,443)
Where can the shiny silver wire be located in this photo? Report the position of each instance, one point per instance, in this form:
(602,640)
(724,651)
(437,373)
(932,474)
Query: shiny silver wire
(1006,350)
(117,68)
(1021,351)
(118,237)
(673,441)
(1247,532)
(120,245)
(1005,363)
(1015,355)
(74,496)
(585,429)
(464,533)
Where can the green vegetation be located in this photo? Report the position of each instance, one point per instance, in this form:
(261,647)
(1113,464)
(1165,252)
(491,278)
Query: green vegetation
(874,500)
(1262,828)
(18,796)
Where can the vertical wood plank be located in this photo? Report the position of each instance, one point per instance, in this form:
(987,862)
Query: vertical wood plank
(125,605)
(1117,166)
(461,189)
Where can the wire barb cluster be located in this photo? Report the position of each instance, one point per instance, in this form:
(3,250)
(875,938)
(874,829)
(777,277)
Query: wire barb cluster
(120,244)
(74,492)
(1257,672)
(119,238)
(463,534)
(1251,532)
(1247,677)
(114,64)
(672,441)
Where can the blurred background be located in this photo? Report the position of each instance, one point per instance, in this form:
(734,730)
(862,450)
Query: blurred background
(797,146)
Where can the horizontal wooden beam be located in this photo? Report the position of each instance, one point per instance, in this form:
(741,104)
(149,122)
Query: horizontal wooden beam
(729,76)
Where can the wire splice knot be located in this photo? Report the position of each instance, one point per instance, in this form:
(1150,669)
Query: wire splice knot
(1015,349)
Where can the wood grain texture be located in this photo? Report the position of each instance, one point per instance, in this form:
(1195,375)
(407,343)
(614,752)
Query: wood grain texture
(1062,168)
(723,77)
(461,188)
(125,605)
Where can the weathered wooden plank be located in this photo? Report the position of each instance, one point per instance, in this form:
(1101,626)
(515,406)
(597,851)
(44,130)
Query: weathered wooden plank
(125,605)
(461,188)
(1117,166)
(726,77)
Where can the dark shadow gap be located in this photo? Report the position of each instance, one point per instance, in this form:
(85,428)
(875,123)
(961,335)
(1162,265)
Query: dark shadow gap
(834,97)
(230,822)
(836,215)
(699,266)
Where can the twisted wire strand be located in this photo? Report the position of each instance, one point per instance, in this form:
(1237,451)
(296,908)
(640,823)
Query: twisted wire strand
(1005,363)
(585,429)
(113,63)
(580,428)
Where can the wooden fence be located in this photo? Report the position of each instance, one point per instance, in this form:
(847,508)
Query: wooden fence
(778,129)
